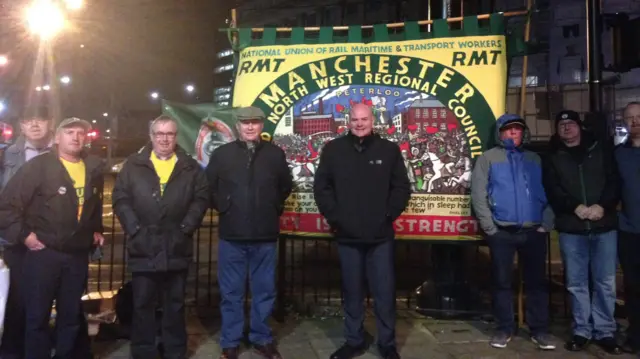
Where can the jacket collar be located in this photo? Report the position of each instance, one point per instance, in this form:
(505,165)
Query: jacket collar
(361,144)
(143,157)
(91,163)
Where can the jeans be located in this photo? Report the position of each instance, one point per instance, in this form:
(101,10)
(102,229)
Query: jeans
(595,254)
(375,262)
(628,253)
(531,247)
(235,261)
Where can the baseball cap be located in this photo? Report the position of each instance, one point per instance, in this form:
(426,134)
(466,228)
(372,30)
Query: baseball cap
(568,115)
(249,113)
(74,121)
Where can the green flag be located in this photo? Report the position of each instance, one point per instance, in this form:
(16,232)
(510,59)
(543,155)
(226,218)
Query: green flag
(201,128)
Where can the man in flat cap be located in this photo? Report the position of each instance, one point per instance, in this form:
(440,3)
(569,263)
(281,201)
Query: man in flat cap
(250,180)
(53,206)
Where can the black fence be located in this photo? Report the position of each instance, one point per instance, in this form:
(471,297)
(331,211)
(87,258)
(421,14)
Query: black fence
(445,278)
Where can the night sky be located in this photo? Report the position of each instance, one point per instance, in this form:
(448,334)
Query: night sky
(131,48)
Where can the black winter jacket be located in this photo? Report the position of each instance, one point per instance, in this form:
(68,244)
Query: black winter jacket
(41,198)
(361,188)
(160,227)
(248,190)
(587,175)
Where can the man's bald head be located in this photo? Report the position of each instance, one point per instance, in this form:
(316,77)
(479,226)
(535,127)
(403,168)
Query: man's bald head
(361,120)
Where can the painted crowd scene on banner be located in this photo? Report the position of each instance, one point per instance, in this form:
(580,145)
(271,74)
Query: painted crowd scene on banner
(432,145)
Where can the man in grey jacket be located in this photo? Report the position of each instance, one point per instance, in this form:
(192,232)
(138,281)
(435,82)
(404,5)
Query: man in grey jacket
(510,204)
(36,138)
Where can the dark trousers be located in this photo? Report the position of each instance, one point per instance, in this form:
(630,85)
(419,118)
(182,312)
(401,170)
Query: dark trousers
(629,255)
(14,321)
(169,289)
(375,262)
(531,247)
(236,261)
(50,275)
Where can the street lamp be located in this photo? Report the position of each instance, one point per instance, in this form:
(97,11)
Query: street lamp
(93,121)
(45,19)
(105,114)
(190,88)
(74,4)
(155,95)
(46,87)
(2,106)
(4,60)
(65,80)
(39,88)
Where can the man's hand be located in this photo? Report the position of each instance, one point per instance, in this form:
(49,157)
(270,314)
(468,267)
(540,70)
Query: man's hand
(33,243)
(582,211)
(98,239)
(596,212)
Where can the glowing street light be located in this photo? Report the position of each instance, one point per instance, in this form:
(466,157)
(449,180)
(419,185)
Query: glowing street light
(105,114)
(93,121)
(45,19)
(65,80)
(190,88)
(155,95)
(39,88)
(74,4)
(46,87)
(2,106)
(4,60)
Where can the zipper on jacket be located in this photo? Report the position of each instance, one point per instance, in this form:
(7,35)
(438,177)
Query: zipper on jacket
(584,193)
(515,188)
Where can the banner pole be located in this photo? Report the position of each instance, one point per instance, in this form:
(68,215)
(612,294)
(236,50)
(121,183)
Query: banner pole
(390,26)
(523,98)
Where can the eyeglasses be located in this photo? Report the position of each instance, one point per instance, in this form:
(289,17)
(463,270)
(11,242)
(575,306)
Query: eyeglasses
(33,120)
(164,134)
(632,118)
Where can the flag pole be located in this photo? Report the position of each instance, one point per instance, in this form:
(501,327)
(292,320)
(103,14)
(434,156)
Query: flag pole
(523,101)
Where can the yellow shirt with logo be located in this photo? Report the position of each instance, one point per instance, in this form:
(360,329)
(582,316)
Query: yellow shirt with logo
(77,172)
(163,168)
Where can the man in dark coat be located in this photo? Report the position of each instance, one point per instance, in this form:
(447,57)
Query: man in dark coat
(53,207)
(250,180)
(160,198)
(582,186)
(361,187)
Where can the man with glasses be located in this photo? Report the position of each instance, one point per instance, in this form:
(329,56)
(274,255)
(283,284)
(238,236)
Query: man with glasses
(628,160)
(581,182)
(160,198)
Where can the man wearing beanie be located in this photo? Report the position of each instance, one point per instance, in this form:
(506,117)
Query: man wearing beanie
(510,204)
(581,182)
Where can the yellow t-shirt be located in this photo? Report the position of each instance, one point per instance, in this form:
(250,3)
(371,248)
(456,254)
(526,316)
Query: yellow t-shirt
(163,168)
(77,172)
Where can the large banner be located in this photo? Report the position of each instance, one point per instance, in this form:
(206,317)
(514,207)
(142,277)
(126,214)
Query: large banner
(437,99)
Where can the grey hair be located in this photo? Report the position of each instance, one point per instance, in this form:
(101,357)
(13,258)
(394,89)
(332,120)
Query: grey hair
(632,103)
(161,119)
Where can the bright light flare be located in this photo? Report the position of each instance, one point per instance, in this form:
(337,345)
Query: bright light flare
(2,107)
(105,114)
(65,80)
(190,88)
(46,87)
(45,19)
(74,4)
(155,95)
(4,60)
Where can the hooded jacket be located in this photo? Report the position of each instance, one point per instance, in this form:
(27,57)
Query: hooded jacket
(506,185)
(585,174)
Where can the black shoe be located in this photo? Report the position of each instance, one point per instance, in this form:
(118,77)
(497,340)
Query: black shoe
(268,351)
(230,353)
(630,347)
(609,345)
(389,353)
(577,343)
(347,352)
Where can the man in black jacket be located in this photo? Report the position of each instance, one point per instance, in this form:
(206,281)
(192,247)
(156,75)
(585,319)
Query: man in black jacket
(250,180)
(361,187)
(53,206)
(581,183)
(160,197)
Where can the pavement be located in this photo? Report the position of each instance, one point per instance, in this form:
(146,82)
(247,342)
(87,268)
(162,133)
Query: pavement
(418,338)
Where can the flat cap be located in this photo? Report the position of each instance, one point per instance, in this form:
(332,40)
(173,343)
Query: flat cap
(249,113)
(74,121)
